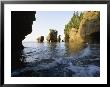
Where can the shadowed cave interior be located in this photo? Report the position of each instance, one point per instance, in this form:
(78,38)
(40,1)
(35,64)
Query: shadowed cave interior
(21,25)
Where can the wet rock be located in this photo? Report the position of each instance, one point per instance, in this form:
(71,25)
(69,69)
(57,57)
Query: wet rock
(62,40)
(59,38)
(21,25)
(40,39)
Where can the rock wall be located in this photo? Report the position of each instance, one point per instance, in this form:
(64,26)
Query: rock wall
(74,36)
(21,25)
(89,29)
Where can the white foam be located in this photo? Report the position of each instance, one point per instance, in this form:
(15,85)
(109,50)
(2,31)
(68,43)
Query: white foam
(85,52)
(84,71)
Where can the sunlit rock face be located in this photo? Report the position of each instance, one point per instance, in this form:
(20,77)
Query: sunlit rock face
(52,36)
(21,25)
(89,29)
(74,36)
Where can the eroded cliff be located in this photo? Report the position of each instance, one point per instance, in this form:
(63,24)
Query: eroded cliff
(21,25)
(89,29)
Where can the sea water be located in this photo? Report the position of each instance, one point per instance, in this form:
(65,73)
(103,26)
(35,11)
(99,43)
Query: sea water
(59,60)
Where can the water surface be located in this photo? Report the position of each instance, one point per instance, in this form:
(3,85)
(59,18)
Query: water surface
(59,60)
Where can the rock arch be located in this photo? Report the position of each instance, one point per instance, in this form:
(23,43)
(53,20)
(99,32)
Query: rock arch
(21,25)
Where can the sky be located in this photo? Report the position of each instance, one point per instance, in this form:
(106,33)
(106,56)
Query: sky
(46,20)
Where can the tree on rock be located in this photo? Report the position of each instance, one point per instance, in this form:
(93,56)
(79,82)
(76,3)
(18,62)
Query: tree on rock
(52,36)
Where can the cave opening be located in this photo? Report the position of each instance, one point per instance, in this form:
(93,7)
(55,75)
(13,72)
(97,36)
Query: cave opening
(21,25)
(46,21)
(31,37)
(38,59)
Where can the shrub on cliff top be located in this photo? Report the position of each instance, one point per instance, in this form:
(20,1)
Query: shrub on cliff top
(73,23)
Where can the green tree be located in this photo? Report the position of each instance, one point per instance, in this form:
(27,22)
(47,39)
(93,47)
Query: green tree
(73,23)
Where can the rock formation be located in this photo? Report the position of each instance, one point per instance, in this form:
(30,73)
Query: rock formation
(89,29)
(40,39)
(59,38)
(52,36)
(62,40)
(21,25)
(74,36)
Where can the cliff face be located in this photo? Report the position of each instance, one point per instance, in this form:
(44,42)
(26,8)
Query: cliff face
(89,28)
(21,25)
(74,36)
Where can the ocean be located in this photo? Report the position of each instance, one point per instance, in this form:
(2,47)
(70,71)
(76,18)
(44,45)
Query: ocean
(58,60)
